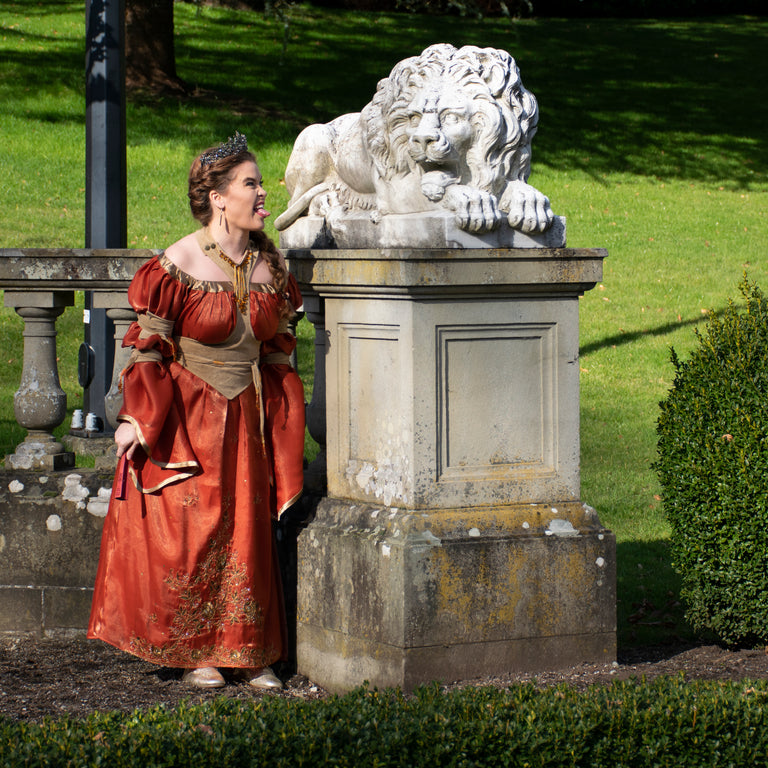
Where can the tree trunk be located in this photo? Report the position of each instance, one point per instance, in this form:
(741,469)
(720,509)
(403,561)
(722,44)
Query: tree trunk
(150,57)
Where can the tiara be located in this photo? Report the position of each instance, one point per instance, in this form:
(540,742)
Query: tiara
(232,146)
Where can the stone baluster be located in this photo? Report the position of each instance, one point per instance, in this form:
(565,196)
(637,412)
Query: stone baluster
(40,404)
(315,476)
(122,315)
(293,324)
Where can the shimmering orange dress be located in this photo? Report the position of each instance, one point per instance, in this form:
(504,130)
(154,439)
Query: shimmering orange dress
(188,575)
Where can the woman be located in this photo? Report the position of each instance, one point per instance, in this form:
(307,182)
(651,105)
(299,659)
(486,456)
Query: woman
(212,430)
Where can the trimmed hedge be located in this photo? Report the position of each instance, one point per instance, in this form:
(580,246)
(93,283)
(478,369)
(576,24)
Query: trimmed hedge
(713,468)
(668,722)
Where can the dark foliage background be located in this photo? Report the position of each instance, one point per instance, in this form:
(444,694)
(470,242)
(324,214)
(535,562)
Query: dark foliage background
(526,8)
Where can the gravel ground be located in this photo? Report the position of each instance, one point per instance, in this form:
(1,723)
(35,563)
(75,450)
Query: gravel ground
(76,676)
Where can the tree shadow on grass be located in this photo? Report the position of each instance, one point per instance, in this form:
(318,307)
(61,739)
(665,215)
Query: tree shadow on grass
(648,607)
(649,98)
(666,99)
(627,337)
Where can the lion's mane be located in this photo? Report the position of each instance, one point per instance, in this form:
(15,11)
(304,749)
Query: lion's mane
(504,120)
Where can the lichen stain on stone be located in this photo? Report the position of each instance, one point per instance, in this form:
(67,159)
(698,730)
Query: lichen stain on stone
(470,588)
(53,523)
(387,475)
(562,574)
(15,486)
(74,491)
(2,542)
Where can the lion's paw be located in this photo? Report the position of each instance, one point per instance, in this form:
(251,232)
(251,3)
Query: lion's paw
(476,211)
(527,209)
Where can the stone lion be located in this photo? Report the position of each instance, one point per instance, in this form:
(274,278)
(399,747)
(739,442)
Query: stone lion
(450,129)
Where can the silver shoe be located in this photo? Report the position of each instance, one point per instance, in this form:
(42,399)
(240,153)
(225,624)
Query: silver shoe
(203,677)
(263,678)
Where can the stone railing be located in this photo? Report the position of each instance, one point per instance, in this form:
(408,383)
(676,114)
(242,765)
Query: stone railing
(39,283)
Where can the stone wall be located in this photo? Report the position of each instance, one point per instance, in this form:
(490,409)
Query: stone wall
(50,532)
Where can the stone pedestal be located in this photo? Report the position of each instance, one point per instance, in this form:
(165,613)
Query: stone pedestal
(453,542)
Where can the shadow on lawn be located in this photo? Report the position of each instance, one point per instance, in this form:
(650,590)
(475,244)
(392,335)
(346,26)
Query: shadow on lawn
(648,606)
(626,337)
(663,99)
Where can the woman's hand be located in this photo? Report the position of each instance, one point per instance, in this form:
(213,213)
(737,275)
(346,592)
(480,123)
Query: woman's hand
(127,440)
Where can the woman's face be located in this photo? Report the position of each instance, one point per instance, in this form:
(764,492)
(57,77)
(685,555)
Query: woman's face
(243,200)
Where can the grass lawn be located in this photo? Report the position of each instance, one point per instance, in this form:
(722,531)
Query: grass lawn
(652,142)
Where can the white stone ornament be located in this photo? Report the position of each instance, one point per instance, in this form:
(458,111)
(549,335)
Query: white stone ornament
(440,157)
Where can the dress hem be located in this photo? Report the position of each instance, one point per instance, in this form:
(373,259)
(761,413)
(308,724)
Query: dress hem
(223,661)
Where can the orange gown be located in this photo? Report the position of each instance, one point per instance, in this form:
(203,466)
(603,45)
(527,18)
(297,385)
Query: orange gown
(188,574)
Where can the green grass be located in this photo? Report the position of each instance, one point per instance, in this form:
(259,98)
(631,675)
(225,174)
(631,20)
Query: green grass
(652,142)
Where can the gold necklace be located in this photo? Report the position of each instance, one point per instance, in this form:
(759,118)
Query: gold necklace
(240,271)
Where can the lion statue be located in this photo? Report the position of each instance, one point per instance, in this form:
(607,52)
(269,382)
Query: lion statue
(450,129)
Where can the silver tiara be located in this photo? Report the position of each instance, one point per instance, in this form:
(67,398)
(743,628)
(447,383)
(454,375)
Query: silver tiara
(232,146)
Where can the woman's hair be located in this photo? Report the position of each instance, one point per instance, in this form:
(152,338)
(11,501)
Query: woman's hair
(216,174)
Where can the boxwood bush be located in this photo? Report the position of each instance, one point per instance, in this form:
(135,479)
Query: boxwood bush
(713,467)
(668,722)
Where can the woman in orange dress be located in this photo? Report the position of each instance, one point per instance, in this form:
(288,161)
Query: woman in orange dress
(211,436)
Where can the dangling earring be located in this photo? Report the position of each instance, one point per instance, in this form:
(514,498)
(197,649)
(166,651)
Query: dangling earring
(221,216)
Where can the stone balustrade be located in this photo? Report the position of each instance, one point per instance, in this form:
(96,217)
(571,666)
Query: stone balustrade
(39,283)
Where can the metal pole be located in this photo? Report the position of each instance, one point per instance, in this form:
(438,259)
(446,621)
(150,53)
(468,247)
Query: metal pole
(105,186)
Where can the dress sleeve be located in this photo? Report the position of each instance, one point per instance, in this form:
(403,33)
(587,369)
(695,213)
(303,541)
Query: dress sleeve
(294,294)
(158,299)
(148,396)
(284,410)
(283,342)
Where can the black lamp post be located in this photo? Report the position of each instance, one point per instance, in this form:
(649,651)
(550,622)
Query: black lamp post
(105,185)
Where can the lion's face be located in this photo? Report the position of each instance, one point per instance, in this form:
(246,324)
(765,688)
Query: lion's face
(439,127)
(463,113)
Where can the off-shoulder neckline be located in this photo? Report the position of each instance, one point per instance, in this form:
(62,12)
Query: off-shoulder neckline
(210,286)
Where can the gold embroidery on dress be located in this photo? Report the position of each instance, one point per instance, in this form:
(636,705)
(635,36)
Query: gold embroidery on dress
(215,595)
(191,499)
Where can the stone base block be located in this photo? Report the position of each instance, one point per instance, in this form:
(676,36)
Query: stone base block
(44,610)
(93,445)
(402,598)
(50,527)
(66,608)
(436,229)
(340,663)
(21,609)
(50,462)
(50,535)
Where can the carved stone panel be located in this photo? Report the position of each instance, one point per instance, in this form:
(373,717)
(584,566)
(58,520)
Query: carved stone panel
(515,364)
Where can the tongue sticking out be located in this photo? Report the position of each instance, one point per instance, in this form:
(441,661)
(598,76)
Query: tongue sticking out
(261,212)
